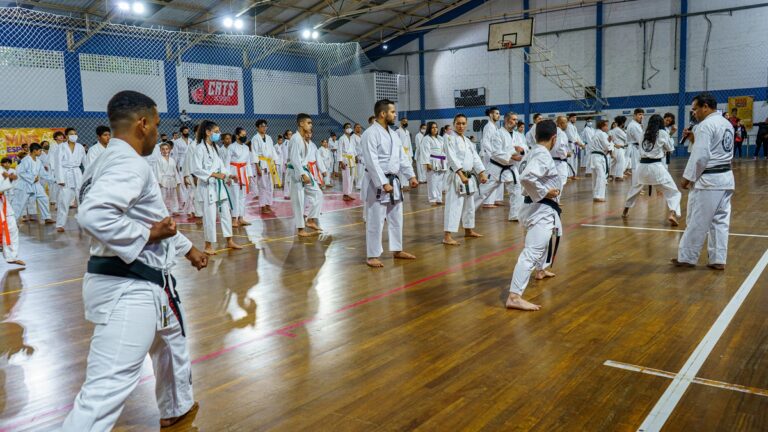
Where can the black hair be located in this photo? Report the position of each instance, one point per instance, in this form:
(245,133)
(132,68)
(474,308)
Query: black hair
(301,117)
(238,130)
(670,115)
(457,116)
(35,146)
(57,133)
(537,115)
(181,129)
(5,160)
(226,134)
(601,123)
(125,105)
(545,130)
(205,126)
(381,106)
(639,111)
(347,124)
(101,130)
(429,128)
(706,99)
(279,137)
(569,115)
(260,122)
(68,130)
(655,123)
(620,120)
(490,110)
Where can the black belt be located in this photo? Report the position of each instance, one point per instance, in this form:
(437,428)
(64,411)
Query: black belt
(566,163)
(560,159)
(649,160)
(114,266)
(547,202)
(505,168)
(392,178)
(607,168)
(717,169)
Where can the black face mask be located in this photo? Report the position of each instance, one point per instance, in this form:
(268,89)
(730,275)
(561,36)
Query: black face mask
(46,148)
(405,125)
(242,139)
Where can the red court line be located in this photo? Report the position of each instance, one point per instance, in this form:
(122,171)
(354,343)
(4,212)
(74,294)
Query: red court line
(286,330)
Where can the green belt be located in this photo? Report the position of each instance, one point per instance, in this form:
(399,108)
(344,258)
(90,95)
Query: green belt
(309,174)
(219,185)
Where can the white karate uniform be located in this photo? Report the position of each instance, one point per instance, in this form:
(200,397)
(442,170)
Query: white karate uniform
(619,160)
(93,153)
(333,146)
(709,201)
(120,202)
(386,162)
(502,149)
(490,133)
(560,156)
(179,150)
(405,139)
(285,154)
(599,149)
(168,177)
(68,173)
(327,156)
(179,154)
(264,155)
(9,239)
(434,156)
(421,172)
(357,144)
(238,162)
(460,198)
(654,173)
(539,175)
(530,137)
(574,142)
(53,159)
(213,191)
(349,157)
(634,138)
(47,180)
(29,188)
(302,153)
(587,135)
(187,171)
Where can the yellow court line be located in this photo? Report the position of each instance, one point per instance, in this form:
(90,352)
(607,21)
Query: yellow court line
(35,288)
(201,231)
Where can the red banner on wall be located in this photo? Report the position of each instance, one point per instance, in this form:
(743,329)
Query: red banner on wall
(212,92)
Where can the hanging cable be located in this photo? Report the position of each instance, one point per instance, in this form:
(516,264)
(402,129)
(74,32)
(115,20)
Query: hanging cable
(650,56)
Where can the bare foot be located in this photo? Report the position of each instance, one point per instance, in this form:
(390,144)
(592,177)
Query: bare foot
(598,200)
(232,245)
(489,206)
(435,204)
(499,203)
(60,229)
(243,222)
(672,220)
(22,263)
(677,263)
(199,221)
(314,226)
(514,301)
(304,233)
(712,266)
(210,251)
(543,274)
(164,423)
(472,234)
(374,263)
(347,198)
(625,213)
(451,242)
(404,255)
(235,224)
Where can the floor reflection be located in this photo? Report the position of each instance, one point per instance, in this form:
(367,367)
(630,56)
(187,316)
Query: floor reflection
(14,394)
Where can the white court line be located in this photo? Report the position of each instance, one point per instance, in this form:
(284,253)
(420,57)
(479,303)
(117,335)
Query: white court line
(667,230)
(702,381)
(666,404)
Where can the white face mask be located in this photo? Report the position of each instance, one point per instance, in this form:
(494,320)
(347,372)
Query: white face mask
(348,131)
(423,131)
(589,124)
(72,138)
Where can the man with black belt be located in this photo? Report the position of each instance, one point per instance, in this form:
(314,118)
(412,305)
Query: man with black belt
(540,215)
(385,161)
(561,151)
(634,138)
(599,149)
(128,291)
(708,174)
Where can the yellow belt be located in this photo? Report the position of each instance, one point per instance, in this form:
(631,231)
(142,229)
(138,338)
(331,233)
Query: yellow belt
(272,170)
(350,160)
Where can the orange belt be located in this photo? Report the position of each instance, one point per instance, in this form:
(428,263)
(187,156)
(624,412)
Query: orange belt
(5,234)
(315,172)
(242,178)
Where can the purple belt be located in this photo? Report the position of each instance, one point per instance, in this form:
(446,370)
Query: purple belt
(437,157)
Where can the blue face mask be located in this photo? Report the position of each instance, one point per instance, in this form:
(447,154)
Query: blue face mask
(216,137)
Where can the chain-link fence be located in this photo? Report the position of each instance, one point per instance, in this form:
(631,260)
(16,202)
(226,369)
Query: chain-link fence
(58,72)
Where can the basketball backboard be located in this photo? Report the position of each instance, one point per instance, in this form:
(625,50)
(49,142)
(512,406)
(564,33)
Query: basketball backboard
(510,34)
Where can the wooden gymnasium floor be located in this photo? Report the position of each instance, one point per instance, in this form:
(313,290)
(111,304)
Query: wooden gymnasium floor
(291,335)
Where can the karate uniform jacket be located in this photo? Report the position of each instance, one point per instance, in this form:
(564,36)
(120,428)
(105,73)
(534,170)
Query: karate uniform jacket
(461,155)
(383,155)
(713,147)
(68,165)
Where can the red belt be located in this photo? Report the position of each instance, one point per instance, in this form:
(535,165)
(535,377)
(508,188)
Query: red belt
(315,172)
(242,178)
(5,234)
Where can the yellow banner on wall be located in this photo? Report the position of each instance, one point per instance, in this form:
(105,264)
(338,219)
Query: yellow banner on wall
(743,105)
(11,139)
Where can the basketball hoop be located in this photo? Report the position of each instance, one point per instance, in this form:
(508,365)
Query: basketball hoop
(505,44)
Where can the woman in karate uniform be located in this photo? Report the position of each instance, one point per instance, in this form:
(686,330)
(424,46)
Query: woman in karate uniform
(433,159)
(619,141)
(651,171)
(212,176)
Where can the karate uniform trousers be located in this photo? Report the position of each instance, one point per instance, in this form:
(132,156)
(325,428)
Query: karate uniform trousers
(266,187)
(67,195)
(538,235)
(421,174)
(24,200)
(618,163)
(308,195)
(376,212)
(118,349)
(564,172)
(495,183)
(599,175)
(435,185)
(170,198)
(213,205)
(11,243)
(635,157)
(459,207)
(346,177)
(237,194)
(709,213)
(360,176)
(656,175)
